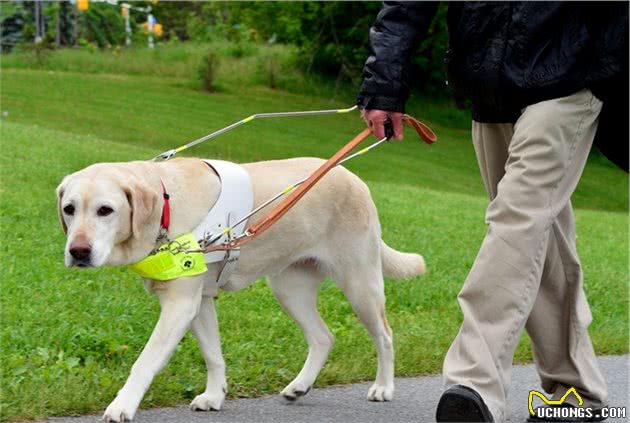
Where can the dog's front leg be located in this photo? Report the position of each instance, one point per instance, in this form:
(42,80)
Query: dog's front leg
(206,330)
(179,300)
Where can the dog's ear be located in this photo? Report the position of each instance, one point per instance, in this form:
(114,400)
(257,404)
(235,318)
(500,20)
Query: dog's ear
(144,203)
(60,191)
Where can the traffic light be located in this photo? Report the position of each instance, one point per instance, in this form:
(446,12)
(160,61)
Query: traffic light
(83,5)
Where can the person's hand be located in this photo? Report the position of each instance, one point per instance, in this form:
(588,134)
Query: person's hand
(376,120)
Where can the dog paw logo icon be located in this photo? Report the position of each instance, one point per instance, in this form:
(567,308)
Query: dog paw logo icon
(187,262)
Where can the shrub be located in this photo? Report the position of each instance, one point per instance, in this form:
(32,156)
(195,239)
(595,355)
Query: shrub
(240,49)
(37,54)
(269,69)
(208,71)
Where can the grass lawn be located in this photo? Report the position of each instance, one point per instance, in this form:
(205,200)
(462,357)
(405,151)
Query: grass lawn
(69,337)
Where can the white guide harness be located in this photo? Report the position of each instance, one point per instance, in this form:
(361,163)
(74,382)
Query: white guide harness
(235,200)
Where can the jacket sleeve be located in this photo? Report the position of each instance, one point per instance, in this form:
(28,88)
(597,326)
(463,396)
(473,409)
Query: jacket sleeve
(397,31)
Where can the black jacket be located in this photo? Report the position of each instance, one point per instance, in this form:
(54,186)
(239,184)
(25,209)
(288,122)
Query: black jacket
(502,55)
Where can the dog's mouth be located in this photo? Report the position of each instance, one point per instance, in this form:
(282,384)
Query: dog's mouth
(81,263)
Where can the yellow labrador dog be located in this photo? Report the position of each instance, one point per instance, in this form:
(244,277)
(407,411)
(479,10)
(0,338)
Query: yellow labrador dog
(111,214)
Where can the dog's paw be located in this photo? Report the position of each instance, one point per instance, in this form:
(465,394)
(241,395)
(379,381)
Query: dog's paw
(380,393)
(119,410)
(295,391)
(207,402)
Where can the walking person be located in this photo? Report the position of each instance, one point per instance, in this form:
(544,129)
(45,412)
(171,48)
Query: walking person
(535,74)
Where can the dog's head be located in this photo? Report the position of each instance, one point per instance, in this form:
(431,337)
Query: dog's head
(110,214)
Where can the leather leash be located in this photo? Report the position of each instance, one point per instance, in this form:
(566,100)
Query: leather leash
(424,132)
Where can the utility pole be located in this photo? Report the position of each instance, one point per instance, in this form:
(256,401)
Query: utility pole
(58,29)
(151,21)
(37,14)
(125,13)
(75,26)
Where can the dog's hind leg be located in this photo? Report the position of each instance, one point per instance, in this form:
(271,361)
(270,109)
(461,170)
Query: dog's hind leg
(205,328)
(180,300)
(296,289)
(363,287)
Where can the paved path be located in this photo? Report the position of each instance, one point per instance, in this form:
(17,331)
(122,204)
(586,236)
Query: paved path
(414,401)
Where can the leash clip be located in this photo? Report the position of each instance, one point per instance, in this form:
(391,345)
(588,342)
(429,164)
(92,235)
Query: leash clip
(162,238)
(167,155)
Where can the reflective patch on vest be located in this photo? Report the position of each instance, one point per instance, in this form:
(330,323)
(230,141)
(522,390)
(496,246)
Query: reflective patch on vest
(172,260)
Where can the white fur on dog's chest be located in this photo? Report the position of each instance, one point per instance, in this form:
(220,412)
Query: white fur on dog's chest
(235,200)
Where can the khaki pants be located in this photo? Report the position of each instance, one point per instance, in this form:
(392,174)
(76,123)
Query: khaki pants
(527,272)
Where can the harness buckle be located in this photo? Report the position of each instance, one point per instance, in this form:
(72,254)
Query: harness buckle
(163,235)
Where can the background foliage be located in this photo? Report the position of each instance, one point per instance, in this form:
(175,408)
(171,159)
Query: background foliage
(331,38)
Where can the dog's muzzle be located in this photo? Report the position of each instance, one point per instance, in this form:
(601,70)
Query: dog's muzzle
(81,253)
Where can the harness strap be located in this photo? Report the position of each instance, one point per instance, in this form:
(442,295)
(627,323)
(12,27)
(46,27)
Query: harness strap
(423,131)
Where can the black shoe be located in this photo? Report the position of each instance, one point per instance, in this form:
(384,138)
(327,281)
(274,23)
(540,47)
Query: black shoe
(595,416)
(462,404)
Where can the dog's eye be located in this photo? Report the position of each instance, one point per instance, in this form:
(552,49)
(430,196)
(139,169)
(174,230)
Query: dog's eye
(69,210)
(104,211)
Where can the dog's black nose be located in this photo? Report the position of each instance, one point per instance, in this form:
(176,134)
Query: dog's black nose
(81,252)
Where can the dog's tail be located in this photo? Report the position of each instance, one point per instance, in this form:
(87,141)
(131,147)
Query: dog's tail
(397,265)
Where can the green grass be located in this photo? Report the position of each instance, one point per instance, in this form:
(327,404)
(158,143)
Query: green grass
(69,337)
(160,114)
(178,63)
